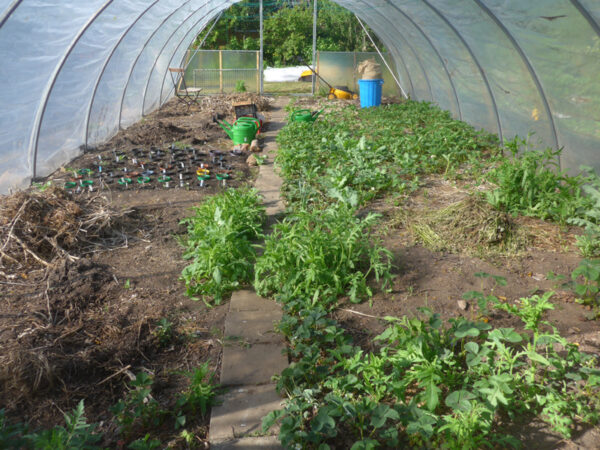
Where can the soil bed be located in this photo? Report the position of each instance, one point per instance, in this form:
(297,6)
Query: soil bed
(438,279)
(82,325)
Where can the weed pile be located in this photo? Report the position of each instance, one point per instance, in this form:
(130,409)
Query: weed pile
(471,226)
(38,227)
(44,348)
(224,103)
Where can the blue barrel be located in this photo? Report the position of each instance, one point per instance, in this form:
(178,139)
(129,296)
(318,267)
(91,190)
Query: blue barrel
(370,92)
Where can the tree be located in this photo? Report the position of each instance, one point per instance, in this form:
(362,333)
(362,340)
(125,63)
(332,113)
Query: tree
(287,30)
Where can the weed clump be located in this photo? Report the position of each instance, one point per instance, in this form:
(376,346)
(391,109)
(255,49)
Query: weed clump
(531,183)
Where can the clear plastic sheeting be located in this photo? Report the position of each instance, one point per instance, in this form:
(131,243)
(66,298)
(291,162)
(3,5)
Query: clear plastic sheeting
(104,114)
(166,58)
(75,72)
(340,69)
(26,73)
(62,129)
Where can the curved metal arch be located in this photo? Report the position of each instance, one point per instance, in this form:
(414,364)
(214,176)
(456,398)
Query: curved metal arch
(586,14)
(162,85)
(39,116)
(475,61)
(165,45)
(410,47)
(9,11)
(114,49)
(420,30)
(530,69)
(140,54)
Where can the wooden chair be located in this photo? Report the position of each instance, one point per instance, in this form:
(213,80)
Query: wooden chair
(188,96)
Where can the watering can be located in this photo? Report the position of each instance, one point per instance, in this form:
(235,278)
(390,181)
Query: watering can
(305,115)
(253,120)
(242,132)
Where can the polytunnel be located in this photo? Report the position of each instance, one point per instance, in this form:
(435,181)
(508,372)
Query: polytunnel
(74,73)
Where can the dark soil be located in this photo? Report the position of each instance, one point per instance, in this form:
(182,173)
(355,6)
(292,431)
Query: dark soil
(84,326)
(438,280)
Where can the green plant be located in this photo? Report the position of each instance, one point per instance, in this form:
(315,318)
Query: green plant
(429,384)
(260,160)
(483,301)
(589,272)
(145,443)
(187,436)
(138,410)
(199,397)
(42,186)
(164,332)
(77,433)
(589,242)
(11,435)
(219,243)
(240,86)
(532,184)
(321,254)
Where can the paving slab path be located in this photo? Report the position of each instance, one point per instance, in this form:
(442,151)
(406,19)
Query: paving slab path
(252,351)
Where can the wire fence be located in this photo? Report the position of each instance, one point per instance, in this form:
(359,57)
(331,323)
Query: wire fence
(222,71)
(225,71)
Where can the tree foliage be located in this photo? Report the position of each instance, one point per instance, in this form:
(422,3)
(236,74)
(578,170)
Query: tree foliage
(287,30)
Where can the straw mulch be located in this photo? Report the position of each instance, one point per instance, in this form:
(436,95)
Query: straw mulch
(39,227)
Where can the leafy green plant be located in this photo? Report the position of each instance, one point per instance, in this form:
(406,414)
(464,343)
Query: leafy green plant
(320,254)
(260,160)
(199,397)
(532,184)
(588,272)
(240,86)
(11,435)
(164,332)
(76,434)
(219,243)
(145,443)
(138,410)
(375,150)
(42,186)
(589,242)
(429,384)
